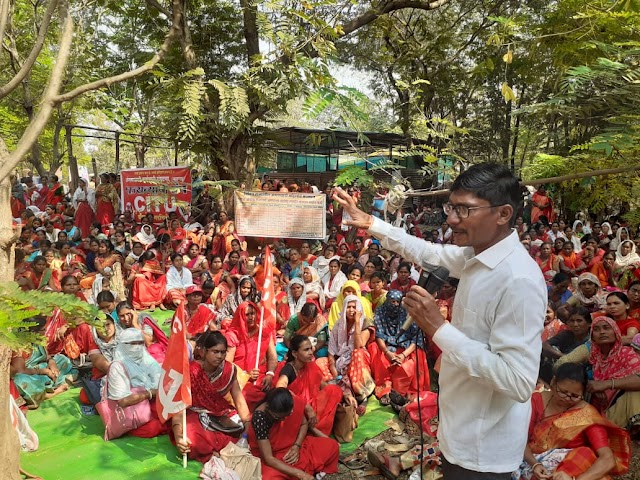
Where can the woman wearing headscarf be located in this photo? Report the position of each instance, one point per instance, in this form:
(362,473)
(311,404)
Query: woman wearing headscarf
(393,357)
(615,385)
(350,287)
(133,378)
(622,234)
(321,263)
(589,294)
(313,286)
(145,236)
(626,263)
(246,292)
(349,361)
(310,323)
(296,297)
(333,282)
(242,336)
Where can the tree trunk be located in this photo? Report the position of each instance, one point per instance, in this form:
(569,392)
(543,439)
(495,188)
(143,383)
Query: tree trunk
(73,164)
(141,150)
(9,445)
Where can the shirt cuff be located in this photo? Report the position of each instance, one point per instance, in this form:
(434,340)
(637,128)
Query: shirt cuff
(379,228)
(449,338)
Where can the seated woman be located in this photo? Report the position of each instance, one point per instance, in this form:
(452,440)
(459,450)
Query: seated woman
(552,324)
(148,283)
(577,335)
(145,236)
(294,267)
(246,292)
(350,287)
(604,270)
(548,262)
(278,435)
(195,262)
(627,261)
(296,298)
(242,337)
(38,375)
(222,282)
(377,293)
(134,255)
(200,318)
(356,273)
(212,380)
(349,361)
(403,282)
(393,357)
(178,279)
(568,438)
(615,386)
(313,286)
(309,322)
(321,263)
(571,263)
(303,378)
(155,339)
(234,267)
(38,277)
(333,282)
(634,300)
(72,262)
(588,295)
(618,309)
(133,378)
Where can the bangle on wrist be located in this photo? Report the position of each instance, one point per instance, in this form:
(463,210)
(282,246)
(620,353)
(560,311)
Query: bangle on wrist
(535,465)
(270,373)
(298,445)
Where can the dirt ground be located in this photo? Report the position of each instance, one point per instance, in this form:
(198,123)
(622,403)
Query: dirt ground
(388,435)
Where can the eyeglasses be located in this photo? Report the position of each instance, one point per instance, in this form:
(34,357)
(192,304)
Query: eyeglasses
(217,352)
(462,211)
(568,395)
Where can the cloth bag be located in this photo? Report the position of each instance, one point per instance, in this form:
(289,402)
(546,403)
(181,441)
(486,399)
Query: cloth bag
(216,469)
(246,466)
(117,420)
(346,421)
(28,438)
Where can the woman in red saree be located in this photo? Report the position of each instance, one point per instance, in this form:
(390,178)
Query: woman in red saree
(393,357)
(242,336)
(571,264)
(548,262)
(200,318)
(222,284)
(616,368)
(278,435)
(212,379)
(38,277)
(568,438)
(148,283)
(541,204)
(106,201)
(221,244)
(300,374)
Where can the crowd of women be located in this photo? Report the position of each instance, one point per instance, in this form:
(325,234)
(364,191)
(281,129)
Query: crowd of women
(335,343)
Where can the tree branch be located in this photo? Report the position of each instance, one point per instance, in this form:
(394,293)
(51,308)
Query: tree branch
(155,4)
(4,17)
(373,14)
(35,51)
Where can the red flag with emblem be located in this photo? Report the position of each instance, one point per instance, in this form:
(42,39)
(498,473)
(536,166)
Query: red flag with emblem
(268,300)
(174,390)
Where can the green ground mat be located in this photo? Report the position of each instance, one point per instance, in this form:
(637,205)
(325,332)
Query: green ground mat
(72,446)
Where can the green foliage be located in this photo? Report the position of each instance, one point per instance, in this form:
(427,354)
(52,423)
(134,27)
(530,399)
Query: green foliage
(17,305)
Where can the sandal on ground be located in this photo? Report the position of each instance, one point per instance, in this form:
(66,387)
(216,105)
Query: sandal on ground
(385,400)
(354,461)
(378,461)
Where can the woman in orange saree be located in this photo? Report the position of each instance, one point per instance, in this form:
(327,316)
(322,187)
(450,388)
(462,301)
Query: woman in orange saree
(541,205)
(225,229)
(300,374)
(278,436)
(568,438)
(148,283)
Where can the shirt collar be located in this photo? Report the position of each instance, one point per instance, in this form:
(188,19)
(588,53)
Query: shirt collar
(493,255)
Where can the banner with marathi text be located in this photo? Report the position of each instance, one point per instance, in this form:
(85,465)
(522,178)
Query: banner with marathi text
(156,190)
(280,214)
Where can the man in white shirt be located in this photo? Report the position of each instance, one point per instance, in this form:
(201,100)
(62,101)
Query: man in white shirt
(491,349)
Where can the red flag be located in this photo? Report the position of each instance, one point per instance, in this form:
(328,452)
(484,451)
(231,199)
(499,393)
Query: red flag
(174,391)
(268,300)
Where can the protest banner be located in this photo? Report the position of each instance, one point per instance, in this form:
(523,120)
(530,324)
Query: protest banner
(159,191)
(280,214)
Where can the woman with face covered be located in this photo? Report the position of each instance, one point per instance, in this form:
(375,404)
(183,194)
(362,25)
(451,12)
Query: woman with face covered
(133,378)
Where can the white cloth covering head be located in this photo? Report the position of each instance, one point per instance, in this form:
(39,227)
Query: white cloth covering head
(629,259)
(143,370)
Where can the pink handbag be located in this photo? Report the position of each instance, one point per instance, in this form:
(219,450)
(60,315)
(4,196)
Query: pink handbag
(117,420)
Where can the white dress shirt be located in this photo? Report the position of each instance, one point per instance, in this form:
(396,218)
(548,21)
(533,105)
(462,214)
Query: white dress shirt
(490,351)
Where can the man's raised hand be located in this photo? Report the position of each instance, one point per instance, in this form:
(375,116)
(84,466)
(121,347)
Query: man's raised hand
(359,219)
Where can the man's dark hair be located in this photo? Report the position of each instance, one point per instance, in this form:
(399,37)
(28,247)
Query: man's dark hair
(492,182)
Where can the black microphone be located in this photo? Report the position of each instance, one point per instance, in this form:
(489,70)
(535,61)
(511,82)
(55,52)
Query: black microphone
(432,283)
